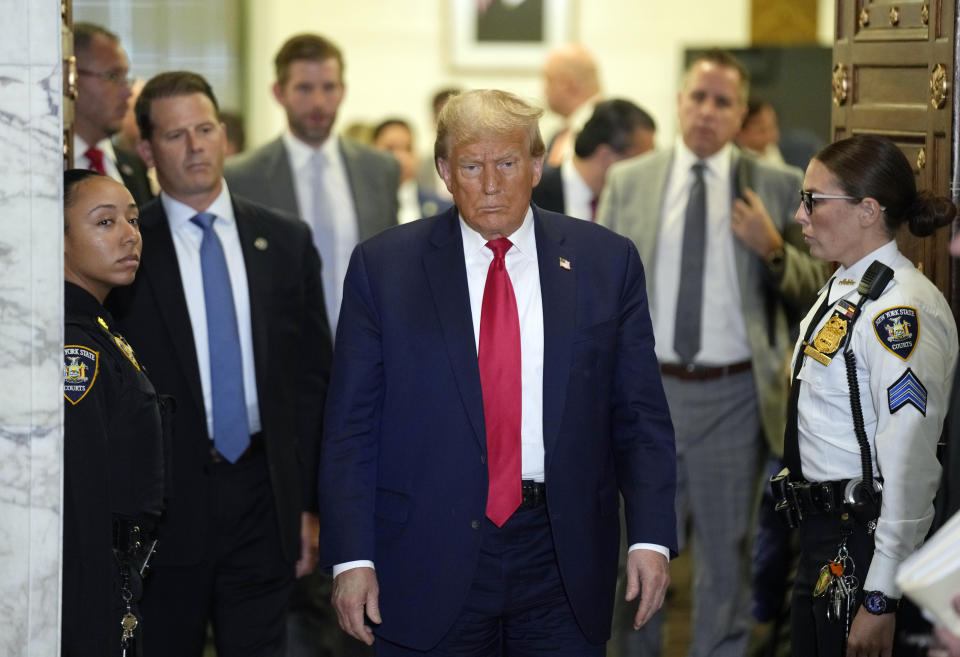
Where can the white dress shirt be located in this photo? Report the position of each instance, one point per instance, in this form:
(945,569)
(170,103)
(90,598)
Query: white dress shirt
(521,261)
(723,337)
(81,161)
(340,202)
(409,202)
(187,237)
(577,195)
(902,443)
(522,267)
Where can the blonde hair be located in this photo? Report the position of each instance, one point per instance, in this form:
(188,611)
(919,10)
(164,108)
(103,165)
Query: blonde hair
(484,114)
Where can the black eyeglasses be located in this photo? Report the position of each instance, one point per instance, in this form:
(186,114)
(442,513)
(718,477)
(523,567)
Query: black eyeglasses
(807,199)
(118,78)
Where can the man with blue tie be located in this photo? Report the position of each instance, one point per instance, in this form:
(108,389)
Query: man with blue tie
(229,307)
(494,393)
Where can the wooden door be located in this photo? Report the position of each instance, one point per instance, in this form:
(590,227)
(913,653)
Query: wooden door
(893,75)
(69,79)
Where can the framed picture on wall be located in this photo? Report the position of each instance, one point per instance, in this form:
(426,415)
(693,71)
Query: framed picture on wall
(507,34)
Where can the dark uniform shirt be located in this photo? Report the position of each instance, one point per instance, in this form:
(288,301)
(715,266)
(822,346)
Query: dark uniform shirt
(113,468)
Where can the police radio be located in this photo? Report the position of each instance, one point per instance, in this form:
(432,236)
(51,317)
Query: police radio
(863,494)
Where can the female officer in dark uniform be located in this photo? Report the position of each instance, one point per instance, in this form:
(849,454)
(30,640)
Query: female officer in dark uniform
(872,373)
(113,439)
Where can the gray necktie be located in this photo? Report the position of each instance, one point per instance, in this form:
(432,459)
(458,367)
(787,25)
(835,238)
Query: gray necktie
(686,337)
(324,235)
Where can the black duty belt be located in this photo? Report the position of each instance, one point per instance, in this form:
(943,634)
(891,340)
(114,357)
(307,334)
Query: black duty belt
(534,494)
(796,500)
(700,373)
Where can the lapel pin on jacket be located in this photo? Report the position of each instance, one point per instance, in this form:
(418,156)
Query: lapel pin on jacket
(564,263)
(260,243)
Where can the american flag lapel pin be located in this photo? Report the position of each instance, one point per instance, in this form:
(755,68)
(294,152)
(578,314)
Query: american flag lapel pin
(564,263)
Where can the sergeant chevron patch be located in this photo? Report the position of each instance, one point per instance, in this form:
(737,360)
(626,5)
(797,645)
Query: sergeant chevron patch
(907,390)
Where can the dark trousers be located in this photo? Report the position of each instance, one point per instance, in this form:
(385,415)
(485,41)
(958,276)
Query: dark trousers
(811,635)
(242,583)
(516,606)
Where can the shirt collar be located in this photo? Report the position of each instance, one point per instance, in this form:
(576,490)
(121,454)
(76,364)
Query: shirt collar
(105,145)
(179,214)
(848,279)
(523,239)
(302,153)
(717,164)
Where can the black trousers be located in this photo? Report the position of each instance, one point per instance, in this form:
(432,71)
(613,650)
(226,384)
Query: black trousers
(811,635)
(242,583)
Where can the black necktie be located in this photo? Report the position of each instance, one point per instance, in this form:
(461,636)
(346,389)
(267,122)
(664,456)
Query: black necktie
(791,437)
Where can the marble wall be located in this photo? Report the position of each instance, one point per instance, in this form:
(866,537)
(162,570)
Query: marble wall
(31,326)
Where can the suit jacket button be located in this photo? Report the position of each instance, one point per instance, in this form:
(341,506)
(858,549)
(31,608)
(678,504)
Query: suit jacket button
(483,459)
(475,524)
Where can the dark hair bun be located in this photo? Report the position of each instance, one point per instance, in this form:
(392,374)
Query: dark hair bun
(929,212)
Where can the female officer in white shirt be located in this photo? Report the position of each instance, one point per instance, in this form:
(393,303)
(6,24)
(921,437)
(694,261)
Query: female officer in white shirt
(848,437)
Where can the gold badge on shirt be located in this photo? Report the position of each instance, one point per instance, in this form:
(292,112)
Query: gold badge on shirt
(832,335)
(127,350)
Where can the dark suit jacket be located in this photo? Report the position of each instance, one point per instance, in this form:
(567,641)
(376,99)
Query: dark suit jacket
(134,174)
(549,193)
(264,175)
(403,472)
(291,349)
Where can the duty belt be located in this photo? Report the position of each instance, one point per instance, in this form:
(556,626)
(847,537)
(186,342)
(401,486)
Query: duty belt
(796,500)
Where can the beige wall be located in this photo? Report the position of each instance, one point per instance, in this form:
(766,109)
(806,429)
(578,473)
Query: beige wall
(397,53)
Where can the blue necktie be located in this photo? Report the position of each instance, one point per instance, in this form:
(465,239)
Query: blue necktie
(231,433)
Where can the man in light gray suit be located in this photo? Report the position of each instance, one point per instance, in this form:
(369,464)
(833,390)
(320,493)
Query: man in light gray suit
(347,192)
(727,273)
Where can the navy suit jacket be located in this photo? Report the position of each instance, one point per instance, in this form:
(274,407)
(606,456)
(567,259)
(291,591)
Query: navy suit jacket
(403,466)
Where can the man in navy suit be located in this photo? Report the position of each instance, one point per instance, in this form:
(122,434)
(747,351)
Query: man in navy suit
(476,445)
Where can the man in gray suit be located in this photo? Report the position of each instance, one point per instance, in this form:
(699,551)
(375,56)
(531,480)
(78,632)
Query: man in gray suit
(347,193)
(726,270)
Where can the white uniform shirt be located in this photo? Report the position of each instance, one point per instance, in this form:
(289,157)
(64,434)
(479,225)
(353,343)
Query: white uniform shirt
(902,442)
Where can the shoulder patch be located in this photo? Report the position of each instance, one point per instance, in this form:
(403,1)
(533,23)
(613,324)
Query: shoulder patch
(897,330)
(80,367)
(907,390)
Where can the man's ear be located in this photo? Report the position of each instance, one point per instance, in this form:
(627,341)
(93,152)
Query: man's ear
(277,92)
(537,170)
(146,153)
(443,168)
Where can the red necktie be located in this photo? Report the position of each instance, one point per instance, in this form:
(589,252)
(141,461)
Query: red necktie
(499,356)
(593,209)
(95,155)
